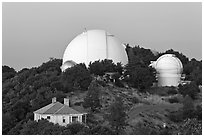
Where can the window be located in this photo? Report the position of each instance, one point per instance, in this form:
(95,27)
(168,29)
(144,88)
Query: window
(63,120)
(74,118)
(48,117)
(84,118)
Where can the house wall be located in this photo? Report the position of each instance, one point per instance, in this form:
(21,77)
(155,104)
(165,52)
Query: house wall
(58,119)
(68,119)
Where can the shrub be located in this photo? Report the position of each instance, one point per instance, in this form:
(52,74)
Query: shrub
(173,100)
(176,116)
(188,107)
(189,89)
(172,91)
(135,100)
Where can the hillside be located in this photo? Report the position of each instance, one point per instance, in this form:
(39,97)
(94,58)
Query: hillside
(147,109)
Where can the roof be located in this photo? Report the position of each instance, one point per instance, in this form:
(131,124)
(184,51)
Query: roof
(58,109)
(67,110)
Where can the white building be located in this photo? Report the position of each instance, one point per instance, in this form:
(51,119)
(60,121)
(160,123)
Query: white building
(91,46)
(169,69)
(59,113)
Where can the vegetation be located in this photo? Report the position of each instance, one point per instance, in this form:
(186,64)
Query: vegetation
(189,89)
(117,116)
(111,103)
(92,98)
(77,77)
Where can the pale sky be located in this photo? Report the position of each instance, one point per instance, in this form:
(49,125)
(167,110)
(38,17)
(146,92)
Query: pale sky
(34,32)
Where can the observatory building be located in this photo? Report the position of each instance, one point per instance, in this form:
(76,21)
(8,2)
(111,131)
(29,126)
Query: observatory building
(93,45)
(169,69)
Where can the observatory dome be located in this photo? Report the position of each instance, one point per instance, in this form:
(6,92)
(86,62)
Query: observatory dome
(169,69)
(170,63)
(93,45)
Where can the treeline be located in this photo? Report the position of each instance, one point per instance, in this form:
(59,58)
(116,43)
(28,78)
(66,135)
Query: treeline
(30,89)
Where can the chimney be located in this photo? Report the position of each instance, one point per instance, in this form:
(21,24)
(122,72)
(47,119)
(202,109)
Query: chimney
(54,99)
(66,101)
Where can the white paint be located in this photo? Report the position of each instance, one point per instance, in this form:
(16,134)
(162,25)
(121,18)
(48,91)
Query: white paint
(58,119)
(93,45)
(169,69)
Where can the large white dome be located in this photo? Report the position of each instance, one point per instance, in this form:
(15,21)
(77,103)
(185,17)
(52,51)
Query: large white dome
(169,69)
(93,45)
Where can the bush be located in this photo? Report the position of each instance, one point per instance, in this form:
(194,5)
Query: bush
(161,91)
(189,89)
(176,116)
(76,77)
(135,100)
(188,107)
(172,91)
(101,130)
(173,100)
(198,112)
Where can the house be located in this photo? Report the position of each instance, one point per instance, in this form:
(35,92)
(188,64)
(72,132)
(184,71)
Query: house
(59,113)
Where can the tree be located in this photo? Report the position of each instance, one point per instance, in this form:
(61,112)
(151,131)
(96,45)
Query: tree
(138,74)
(196,76)
(188,107)
(189,89)
(193,71)
(76,77)
(100,67)
(117,116)
(97,68)
(92,98)
(7,73)
(179,55)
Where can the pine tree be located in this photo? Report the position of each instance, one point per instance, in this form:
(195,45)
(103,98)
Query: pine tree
(92,98)
(117,116)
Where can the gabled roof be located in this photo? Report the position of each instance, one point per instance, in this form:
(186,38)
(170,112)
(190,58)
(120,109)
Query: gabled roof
(57,108)
(66,110)
(50,107)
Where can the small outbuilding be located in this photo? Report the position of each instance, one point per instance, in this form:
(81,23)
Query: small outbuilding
(59,113)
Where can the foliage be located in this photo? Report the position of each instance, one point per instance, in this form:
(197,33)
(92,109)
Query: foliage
(188,107)
(189,89)
(198,112)
(176,116)
(52,65)
(100,67)
(117,116)
(30,89)
(135,100)
(172,91)
(173,100)
(140,77)
(144,129)
(138,74)
(193,71)
(76,77)
(92,97)
(101,130)
(190,127)
(145,55)
(7,73)
(179,55)
(76,128)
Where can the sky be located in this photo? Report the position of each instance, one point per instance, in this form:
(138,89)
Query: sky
(34,32)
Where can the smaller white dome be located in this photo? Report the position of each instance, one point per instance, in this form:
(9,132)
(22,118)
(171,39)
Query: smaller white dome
(67,64)
(170,63)
(169,69)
